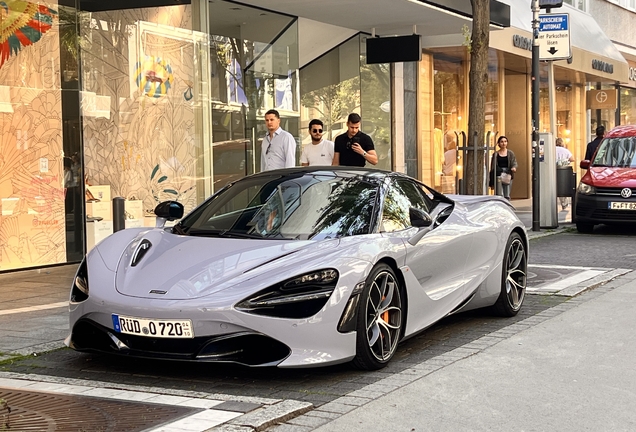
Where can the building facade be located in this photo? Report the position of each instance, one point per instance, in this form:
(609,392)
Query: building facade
(154,100)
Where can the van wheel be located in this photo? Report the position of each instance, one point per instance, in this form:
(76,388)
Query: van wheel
(585,228)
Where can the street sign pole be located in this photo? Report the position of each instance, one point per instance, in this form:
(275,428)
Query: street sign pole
(535,116)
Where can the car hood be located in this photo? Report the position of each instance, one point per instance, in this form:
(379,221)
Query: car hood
(611,177)
(178,267)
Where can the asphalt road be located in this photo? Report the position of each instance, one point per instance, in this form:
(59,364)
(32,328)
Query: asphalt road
(607,247)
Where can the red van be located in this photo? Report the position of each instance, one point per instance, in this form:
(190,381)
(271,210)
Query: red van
(607,191)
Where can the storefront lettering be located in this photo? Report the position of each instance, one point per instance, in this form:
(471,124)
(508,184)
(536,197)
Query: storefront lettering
(632,74)
(522,42)
(38,222)
(602,66)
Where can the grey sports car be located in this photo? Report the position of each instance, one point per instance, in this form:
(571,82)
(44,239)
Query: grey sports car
(299,267)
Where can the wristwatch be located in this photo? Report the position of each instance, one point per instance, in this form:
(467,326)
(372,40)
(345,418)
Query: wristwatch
(364,154)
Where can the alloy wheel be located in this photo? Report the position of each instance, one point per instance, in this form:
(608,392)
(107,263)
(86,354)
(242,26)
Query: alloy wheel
(516,269)
(383,316)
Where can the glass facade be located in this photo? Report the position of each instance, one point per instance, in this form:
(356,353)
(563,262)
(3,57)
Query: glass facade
(40,151)
(254,67)
(139,104)
(341,82)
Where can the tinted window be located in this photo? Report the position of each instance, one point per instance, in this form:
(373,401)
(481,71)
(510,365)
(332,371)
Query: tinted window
(401,195)
(305,206)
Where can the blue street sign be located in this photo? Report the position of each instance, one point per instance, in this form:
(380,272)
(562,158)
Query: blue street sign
(553,22)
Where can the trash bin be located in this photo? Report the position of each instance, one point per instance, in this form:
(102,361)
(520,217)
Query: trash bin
(565,181)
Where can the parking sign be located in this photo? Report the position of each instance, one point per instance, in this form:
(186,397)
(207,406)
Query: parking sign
(554,37)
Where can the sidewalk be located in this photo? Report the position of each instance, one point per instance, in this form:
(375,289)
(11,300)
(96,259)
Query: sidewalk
(570,369)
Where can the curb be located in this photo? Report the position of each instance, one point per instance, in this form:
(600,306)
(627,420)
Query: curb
(549,231)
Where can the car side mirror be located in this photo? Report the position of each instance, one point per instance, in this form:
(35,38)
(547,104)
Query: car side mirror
(168,211)
(585,164)
(419,218)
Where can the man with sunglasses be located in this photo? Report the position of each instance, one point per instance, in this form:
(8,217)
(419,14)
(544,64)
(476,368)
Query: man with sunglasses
(354,148)
(320,151)
(279,147)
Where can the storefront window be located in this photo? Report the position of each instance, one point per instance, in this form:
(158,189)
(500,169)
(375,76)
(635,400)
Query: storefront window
(628,105)
(140,92)
(448,115)
(330,90)
(254,63)
(375,105)
(39,142)
(339,83)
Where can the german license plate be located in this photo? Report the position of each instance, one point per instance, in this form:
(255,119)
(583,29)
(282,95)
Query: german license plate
(158,328)
(622,205)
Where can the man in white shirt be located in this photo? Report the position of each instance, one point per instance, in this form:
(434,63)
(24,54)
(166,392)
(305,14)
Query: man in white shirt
(320,151)
(279,147)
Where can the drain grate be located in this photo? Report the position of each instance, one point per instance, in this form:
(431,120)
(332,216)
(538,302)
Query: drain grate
(38,411)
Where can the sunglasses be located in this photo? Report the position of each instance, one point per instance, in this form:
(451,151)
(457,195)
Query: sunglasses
(316,131)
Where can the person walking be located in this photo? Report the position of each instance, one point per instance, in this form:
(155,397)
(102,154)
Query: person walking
(279,147)
(563,159)
(503,162)
(320,151)
(593,145)
(354,148)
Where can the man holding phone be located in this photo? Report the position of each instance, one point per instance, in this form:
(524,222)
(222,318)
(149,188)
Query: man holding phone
(354,148)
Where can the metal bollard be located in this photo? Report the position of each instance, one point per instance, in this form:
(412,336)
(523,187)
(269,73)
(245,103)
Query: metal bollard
(119,214)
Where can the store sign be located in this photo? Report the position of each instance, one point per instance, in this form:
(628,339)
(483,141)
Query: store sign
(522,42)
(601,99)
(602,66)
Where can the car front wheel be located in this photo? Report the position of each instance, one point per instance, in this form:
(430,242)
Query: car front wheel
(379,322)
(513,284)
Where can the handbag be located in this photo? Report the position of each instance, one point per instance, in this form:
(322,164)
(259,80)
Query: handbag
(505,178)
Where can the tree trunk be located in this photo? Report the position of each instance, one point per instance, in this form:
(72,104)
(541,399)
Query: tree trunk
(477,82)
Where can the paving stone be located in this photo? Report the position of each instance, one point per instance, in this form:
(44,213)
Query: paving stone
(313,422)
(236,406)
(289,428)
(230,428)
(322,414)
(271,414)
(336,407)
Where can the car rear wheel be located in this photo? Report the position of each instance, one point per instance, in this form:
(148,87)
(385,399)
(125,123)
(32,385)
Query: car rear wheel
(379,322)
(513,284)
(585,228)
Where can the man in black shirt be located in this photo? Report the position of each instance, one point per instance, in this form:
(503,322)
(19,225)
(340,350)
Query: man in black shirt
(593,145)
(354,148)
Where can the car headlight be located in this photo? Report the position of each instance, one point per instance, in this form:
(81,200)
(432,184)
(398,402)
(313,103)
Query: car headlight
(79,290)
(299,297)
(586,189)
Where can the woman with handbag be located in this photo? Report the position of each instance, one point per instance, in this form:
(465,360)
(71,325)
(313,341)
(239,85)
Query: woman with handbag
(503,166)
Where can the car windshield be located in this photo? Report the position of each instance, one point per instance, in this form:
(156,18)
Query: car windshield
(616,152)
(298,206)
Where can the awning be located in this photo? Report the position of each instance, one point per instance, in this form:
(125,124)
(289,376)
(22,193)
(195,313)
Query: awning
(592,50)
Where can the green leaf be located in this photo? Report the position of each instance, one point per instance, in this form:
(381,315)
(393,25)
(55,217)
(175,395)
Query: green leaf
(171,191)
(154,171)
(162,179)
